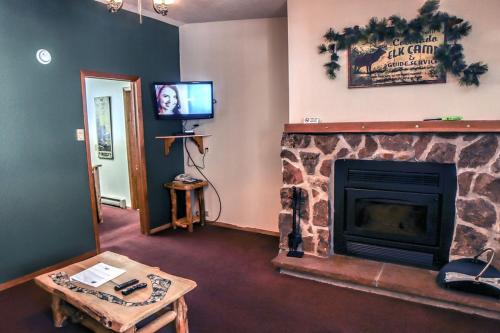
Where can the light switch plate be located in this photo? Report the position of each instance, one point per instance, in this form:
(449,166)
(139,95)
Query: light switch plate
(80,134)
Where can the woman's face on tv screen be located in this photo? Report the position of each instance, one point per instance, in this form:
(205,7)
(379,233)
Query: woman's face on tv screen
(168,100)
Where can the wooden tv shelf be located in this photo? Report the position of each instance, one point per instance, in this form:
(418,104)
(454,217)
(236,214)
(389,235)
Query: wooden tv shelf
(168,140)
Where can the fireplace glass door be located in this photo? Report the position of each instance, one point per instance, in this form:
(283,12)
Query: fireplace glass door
(390,215)
(393,211)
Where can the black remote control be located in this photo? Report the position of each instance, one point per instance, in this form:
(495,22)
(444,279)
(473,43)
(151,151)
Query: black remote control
(134,288)
(126,284)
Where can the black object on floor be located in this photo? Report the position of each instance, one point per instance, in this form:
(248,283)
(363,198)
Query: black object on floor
(295,237)
(471,275)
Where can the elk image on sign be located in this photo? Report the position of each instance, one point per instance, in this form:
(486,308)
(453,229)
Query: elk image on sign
(395,62)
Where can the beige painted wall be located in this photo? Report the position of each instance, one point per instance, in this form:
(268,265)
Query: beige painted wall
(247,60)
(313,94)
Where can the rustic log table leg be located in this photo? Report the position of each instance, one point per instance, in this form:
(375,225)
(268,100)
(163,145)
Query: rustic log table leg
(57,313)
(189,211)
(201,205)
(181,322)
(173,201)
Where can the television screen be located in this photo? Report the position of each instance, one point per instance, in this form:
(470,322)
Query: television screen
(184,100)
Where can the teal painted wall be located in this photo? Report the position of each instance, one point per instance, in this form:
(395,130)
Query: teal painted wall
(45,214)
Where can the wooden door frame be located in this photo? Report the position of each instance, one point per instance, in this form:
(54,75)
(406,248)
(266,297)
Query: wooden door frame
(131,137)
(142,201)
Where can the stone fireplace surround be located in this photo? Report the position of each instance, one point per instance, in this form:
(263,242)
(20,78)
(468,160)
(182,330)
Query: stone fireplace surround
(309,151)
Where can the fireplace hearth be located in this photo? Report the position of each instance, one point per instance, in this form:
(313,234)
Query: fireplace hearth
(394,211)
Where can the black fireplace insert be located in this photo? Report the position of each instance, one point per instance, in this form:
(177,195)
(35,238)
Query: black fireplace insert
(401,212)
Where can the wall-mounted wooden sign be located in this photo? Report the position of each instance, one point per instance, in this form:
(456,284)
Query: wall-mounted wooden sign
(395,62)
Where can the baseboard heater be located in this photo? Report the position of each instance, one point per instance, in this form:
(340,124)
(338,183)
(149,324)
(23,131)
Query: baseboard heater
(114,202)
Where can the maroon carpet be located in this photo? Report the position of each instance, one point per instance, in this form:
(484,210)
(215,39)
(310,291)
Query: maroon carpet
(239,291)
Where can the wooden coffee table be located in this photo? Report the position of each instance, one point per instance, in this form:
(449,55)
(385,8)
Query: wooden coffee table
(105,310)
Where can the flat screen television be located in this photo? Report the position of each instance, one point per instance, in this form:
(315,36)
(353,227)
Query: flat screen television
(184,100)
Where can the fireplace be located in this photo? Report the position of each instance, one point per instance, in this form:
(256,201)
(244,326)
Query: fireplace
(309,155)
(436,183)
(394,211)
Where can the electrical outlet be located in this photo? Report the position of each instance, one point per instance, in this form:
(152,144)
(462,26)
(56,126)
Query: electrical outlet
(197,213)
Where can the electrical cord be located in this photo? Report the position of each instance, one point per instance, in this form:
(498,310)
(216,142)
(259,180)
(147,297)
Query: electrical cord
(205,177)
(202,166)
(188,162)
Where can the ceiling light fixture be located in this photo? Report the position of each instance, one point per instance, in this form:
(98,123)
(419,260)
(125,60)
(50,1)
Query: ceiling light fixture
(114,5)
(161,6)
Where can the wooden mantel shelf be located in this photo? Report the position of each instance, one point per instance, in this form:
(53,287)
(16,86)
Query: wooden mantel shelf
(168,140)
(463,126)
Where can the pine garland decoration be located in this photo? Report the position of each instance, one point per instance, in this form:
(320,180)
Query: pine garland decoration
(450,55)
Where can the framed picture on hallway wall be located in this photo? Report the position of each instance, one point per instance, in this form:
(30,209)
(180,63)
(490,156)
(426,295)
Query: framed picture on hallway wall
(104,127)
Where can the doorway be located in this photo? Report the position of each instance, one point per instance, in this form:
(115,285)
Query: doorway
(114,139)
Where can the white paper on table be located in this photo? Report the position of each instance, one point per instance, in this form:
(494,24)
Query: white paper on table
(97,275)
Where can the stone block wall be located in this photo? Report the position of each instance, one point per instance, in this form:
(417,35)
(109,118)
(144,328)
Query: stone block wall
(307,164)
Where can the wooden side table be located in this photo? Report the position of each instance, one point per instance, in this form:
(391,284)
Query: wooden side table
(188,220)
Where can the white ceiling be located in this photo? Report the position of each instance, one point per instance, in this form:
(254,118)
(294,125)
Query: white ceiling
(196,11)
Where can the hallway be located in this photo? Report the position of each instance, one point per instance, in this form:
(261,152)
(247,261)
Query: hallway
(117,225)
